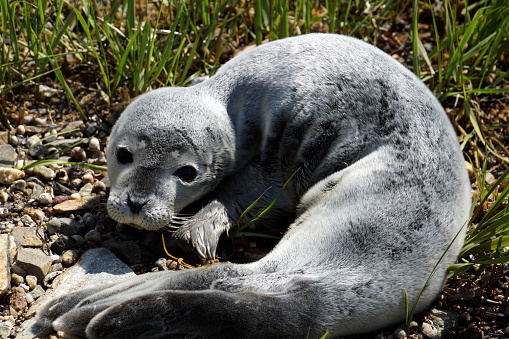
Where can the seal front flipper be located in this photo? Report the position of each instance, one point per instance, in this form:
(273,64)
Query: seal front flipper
(201,233)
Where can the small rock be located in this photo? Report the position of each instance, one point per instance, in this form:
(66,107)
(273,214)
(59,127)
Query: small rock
(399,333)
(84,203)
(71,227)
(8,156)
(7,255)
(89,220)
(51,135)
(31,141)
(4,197)
(53,226)
(62,244)
(9,175)
(94,144)
(88,178)
(161,263)
(444,321)
(37,292)
(45,198)
(25,287)
(91,129)
(18,299)
(60,199)
(44,172)
(16,279)
(93,236)
(429,331)
(70,257)
(4,211)
(34,261)
(29,298)
(79,154)
(28,236)
(27,220)
(465,318)
(99,186)
(14,140)
(19,185)
(75,196)
(86,190)
(40,121)
(127,251)
(6,328)
(38,151)
(78,241)
(31,281)
(20,130)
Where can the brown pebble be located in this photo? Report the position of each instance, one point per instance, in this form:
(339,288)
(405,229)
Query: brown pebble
(85,203)
(18,299)
(79,154)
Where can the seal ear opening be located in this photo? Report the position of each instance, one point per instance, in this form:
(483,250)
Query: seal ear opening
(186,173)
(124,156)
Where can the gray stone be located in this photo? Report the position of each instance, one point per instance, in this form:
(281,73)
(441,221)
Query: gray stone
(96,267)
(44,172)
(37,187)
(28,236)
(70,257)
(34,261)
(38,151)
(444,321)
(8,156)
(127,251)
(37,292)
(7,255)
(71,227)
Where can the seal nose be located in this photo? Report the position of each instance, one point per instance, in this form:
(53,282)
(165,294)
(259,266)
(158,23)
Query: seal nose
(135,204)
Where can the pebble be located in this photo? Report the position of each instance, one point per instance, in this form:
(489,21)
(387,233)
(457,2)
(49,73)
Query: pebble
(4,211)
(7,255)
(34,261)
(127,251)
(29,298)
(9,175)
(44,172)
(28,236)
(71,227)
(94,144)
(8,156)
(37,291)
(161,263)
(31,281)
(4,196)
(88,178)
(20,130)
(38,151)
(25,287)
(93,236)
(78,241)
(27,220)
(40,121)
(19,185)
(53,226)
(70,257)
(88,220)
(46,199)
(99,186)
(91,129)
(13,140)
(429,331)
(31,141)
(399,333)
(16,279)
(18,299)
(86,190)
(75,196)
(85,203)
(78,153)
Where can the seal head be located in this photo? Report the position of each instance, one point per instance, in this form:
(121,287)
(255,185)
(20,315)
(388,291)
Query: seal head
(161,159)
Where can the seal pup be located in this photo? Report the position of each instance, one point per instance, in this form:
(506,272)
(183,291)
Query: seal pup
(381,192)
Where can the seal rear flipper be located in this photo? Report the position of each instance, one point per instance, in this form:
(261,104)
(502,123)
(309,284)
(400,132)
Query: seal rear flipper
(205,314)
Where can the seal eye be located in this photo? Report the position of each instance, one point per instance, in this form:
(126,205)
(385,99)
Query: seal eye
(124,156)
(186,173)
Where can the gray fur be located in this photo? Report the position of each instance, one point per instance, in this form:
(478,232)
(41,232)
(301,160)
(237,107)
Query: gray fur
(381,192)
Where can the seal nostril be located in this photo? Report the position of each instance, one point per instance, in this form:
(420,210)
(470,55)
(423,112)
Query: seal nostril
(135,204)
